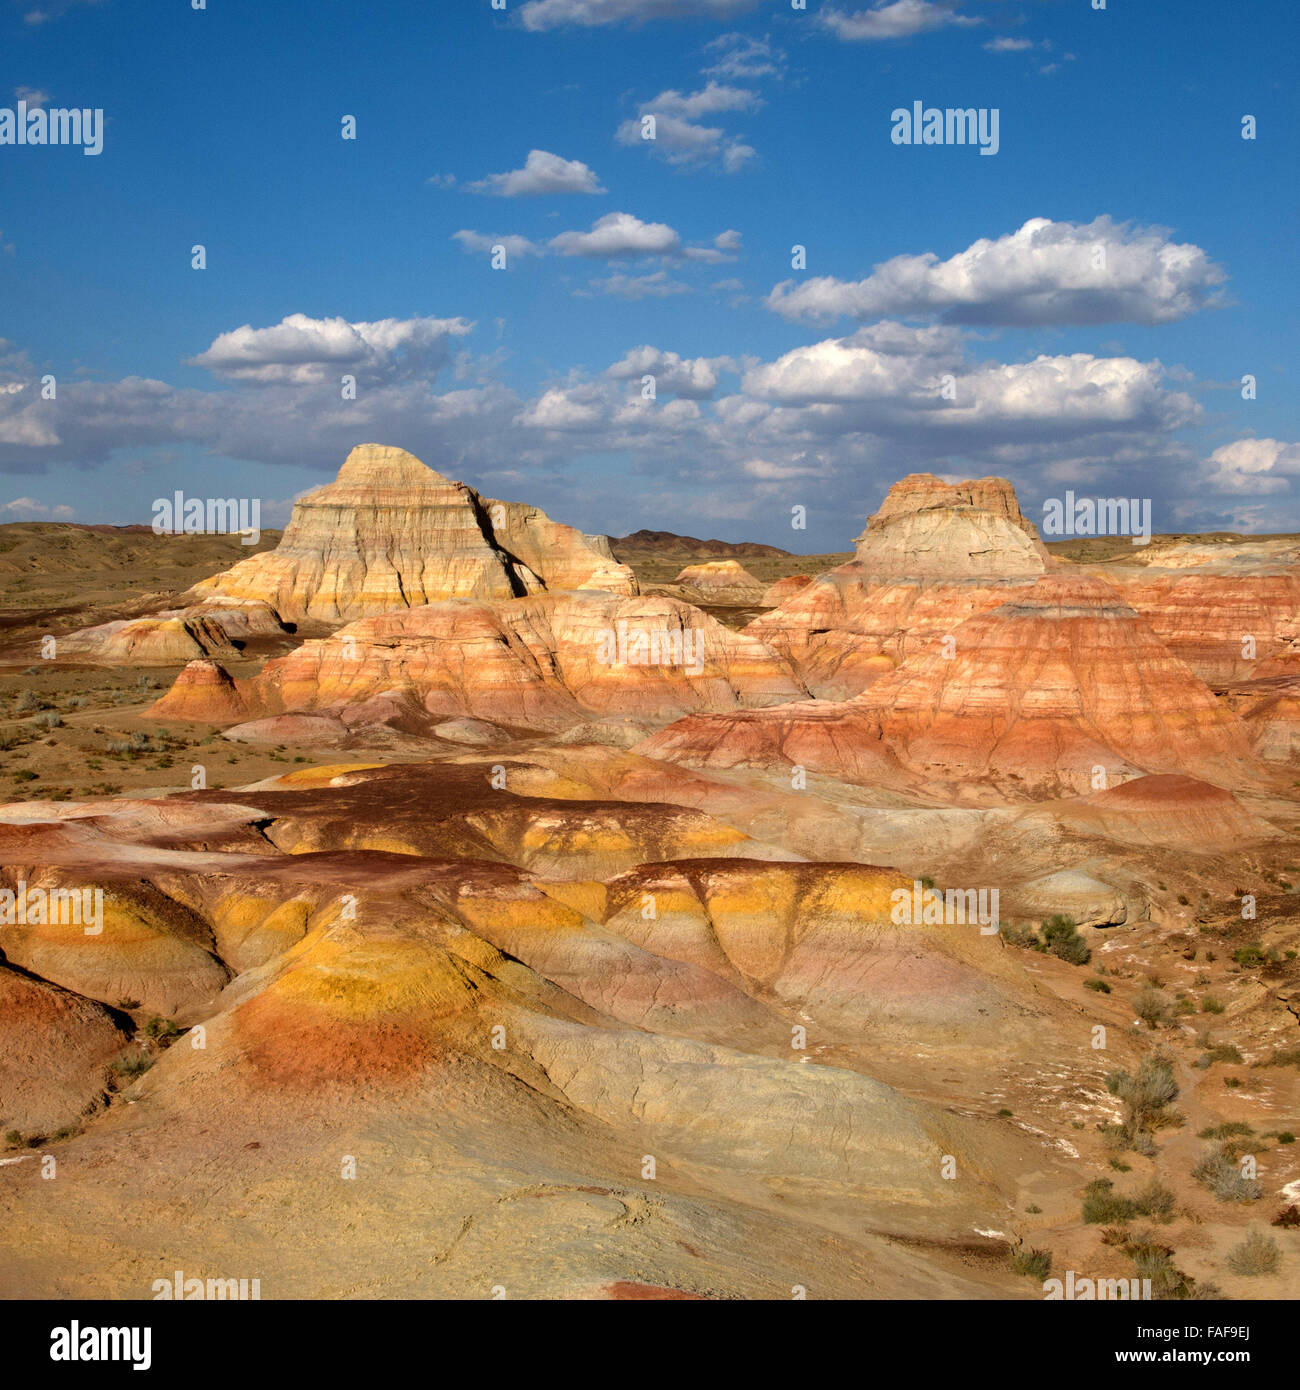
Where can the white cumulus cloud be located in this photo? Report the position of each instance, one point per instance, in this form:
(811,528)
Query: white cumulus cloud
(1044,273)
(301,350)
(891,19)
(543,173)
(619,234)
(539,15)
(1253,465)
(693,378)
(680,135)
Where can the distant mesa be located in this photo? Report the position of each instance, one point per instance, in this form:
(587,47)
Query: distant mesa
(719,582)
(929,529)
(390,533)
(669,545)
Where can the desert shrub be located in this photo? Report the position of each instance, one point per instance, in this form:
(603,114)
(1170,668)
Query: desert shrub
(1153,1006)
(1257,1254)
(1061,937)
(1249,955)
(29,702)
(1019,934)
(134,743)
(1154,1261)
(1218,1172)
(163,1029)
(134,1064)
(1230,1129)
(1211,1005)
(1288,1217)
(1284,1136)
(13,1138)
(1222,1052)
(1155,1199)
(1037,1264)
(50,720)
(1102,1205)
(1145,1094)
(25,774)
(1099,985)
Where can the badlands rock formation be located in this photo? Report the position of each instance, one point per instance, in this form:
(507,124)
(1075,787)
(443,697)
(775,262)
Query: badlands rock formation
(1061,686)
(932,556)
(54,1047)
(720,582)
(548,661)
(928,529)
(1274,724)
(218,628)
(776,594)
(1227,624)
(477,1033)
(503,979)
(390,533)
(202,688)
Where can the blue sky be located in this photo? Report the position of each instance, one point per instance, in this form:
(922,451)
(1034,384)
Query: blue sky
(1118,129)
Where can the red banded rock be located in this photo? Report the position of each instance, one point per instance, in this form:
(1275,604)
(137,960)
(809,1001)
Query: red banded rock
(1057,681)
(55,1048)
(203,692)
(833,739)
(389,534)
(848,628)
(933,555)
(1274,724)
(1227,626)
(1029,700)
(1167,811)
(548,662)
(776,594)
